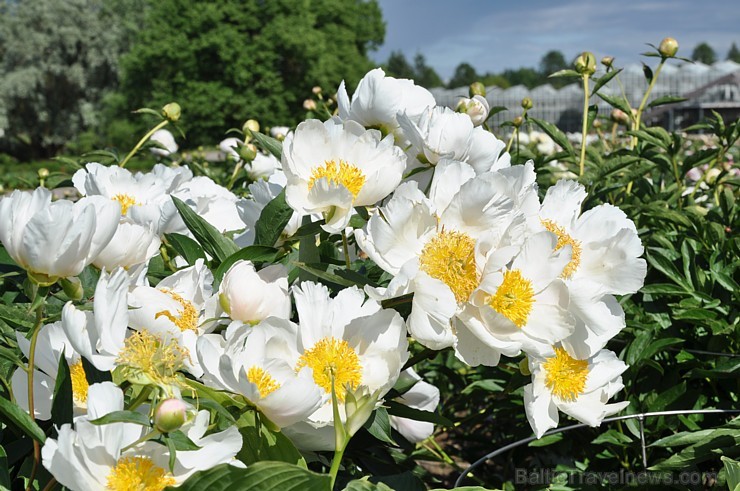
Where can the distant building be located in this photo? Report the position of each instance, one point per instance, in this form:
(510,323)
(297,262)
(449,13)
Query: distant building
(706,88)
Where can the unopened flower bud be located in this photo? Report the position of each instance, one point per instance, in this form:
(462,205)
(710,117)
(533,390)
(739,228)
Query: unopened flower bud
(359,405)
(607,61)
(72,287)
(597,124)
(477,88)
(477,108)
(524,367)
(43,173)
(250,126)
(619,116)
(668,47)
(316,90)
(585,64)
(279,132)
(247,152)
(527,103)
(517,122)
(309,105)
(171,112)
(170,415)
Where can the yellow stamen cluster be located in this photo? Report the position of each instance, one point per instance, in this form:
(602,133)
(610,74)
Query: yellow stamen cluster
(266,385)
(565,376)
(563,239)
(79,382)
(148,358)
(334,360)
(343,174)
(186,318)
(138,474)
(514,298)
(127,201)
(450,258)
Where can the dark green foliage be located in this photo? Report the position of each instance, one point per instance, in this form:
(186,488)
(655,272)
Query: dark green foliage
(424,75)
(228,61)
(704,53)
(464,75)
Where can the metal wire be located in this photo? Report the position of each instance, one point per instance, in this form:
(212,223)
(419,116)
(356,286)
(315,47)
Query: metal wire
(641,417)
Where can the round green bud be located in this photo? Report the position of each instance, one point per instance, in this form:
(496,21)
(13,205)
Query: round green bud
(668,47)
(517,121)
(607,61)
(43,173)
(247,152)
(170,415)
(527,103)
(477,88)
(251,125)
(171,112)
(72,287)
(585,64)
(524,367)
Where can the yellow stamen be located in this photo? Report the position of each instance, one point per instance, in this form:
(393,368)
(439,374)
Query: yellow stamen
(186,318)
(138,474)
(127,201)
(79,382)
(450,258)
(335,359)
(565,376)
(514,298)
(563,239)
(148,358)
(266,385)
(343,174)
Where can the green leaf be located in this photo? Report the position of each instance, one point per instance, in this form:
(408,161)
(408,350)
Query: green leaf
(275,147)
(564,73)
(172,449)
(732,468)
(546,440)
(331,273)
(207,235)
(261,443)
(406,481)
(684,438)
(613,437)
(593,111)
(93,375)
(554,133)
(379,426)
(180,441)
(666,99)
(186,247)
(254,253)
(61,406)
(261,476)
(365,485)
(668,397)
(17,317)
(20,419)
(604,80)
(272,221)
(123,417)
(485,385)
(618,102)
(4,472)
(403,411)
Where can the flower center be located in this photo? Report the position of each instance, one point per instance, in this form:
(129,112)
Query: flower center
(334,360)
(266,385)
(127,201)
(79,382)
(344,174)
(450,258)
(514,298)
(138,474)
(565,376)
(186,318)
(147,358)
(563,239)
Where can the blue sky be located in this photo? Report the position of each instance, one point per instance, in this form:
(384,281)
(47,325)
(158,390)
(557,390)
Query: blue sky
(493,35)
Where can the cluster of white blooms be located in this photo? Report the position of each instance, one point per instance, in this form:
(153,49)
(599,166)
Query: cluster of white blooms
(491,270)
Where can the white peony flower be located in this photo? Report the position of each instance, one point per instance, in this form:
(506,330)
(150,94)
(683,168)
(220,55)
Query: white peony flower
(89,457)
(579,388)
(251,296)
(333,166)
(55,240)
(132,244)
(349,340)
(250,209)
(263,166)
(166,141)
(229,147)
(279,132)
(440,133)
(423,396)
(214,203)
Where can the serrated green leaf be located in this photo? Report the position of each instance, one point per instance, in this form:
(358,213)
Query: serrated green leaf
(261,476)
(186,247)
(62,404)
(212,241)
(20,419)
(618,102)
(272,221)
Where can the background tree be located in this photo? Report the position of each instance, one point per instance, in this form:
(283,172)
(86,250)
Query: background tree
(398,66)
(734,53)
(552,62)
(425,75)
(464,75)
(225,61)
(59,59)
(704,53)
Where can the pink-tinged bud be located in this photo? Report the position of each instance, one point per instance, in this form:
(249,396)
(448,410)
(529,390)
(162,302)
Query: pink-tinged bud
(619,116)
(170,415)
(668,48)
(309,105)
(316,90)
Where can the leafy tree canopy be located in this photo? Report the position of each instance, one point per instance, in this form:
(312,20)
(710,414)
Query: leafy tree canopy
(464,75)
(704,53)
(734,53)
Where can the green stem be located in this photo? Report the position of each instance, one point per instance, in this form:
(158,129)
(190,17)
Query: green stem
(146,137)
(641,108)
(234,174)
(511,140)
(584,127)
(31,409)
(340,436)
(345,248)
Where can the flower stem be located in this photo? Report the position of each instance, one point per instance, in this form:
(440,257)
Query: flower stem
(340,436)
(31,409)
(641,108)
(146,137)
(584,127)
(345,247)
(511,140)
